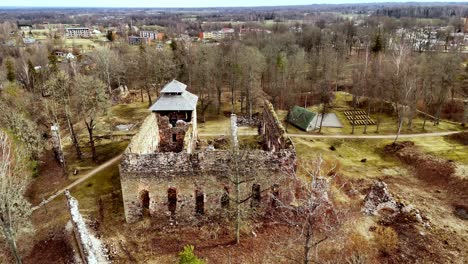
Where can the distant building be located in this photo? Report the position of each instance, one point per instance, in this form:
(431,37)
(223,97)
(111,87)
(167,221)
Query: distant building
(77,32)
(29,41)
(135,40)
(25,27)
(70,56)
(217,35)
(308,120)
(151,35)
(160,36)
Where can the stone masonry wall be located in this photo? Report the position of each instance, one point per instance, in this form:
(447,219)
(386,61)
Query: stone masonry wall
(204,171)
(147,139)
(273,132)
(171,138)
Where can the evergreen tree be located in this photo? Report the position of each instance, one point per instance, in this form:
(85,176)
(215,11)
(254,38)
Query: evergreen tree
(188,257)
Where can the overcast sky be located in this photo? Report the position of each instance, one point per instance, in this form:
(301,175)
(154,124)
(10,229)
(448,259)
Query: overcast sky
(177,3)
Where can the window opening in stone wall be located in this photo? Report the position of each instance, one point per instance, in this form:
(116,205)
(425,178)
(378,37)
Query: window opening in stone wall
(275,195)
(144,199)
(225,198)
(256,196)
(174,137)
(172,199)
(199,202)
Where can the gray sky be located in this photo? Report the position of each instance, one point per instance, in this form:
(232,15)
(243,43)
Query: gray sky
(177,3)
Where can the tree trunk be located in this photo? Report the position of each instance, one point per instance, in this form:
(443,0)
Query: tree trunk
(75,142)
(379,119)
(12,243)
(368,113)
(424,121)
(437,115)
(150,102)
(238,216)
(324,110)
(307,245)
(219,100)
(400,124)
(90,127)
(141,94)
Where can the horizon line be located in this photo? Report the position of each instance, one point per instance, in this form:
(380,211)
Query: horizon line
(241,6)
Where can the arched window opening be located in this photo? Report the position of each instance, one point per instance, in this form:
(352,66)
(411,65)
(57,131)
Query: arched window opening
(256,195)
(144,199)
(172,199)
(275,195)
(199,202)
(225,198)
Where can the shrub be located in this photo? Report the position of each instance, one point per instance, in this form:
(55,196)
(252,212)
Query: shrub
(188,257)
(386,239)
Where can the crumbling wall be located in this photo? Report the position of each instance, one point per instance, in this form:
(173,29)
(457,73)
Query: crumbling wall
(147,139)
(273,132)
(171,139)
(91,249)
(206,171)
(150,176)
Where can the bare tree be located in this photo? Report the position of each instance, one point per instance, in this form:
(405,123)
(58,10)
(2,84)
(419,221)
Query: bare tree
(313,214)
(92,101)
(107,66)
(59,85)
(15,210)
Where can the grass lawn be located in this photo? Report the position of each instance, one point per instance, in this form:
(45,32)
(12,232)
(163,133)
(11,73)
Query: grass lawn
(388,123)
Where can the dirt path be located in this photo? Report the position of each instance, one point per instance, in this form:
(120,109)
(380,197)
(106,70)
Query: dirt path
(436,134)
(82,179)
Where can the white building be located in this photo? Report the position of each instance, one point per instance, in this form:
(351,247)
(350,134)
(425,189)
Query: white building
(151,35)
(77,32)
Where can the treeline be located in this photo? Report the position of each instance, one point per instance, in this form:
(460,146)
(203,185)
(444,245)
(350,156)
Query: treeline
(372,62)
(442,11)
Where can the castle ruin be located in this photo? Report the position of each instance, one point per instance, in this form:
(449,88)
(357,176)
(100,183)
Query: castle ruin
(166,172)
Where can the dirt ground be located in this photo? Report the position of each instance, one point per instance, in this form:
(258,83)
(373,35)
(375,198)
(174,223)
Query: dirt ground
(435,189)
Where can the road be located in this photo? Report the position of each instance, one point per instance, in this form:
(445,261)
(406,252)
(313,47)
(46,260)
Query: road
(348,136)
(82,179)
(436,134)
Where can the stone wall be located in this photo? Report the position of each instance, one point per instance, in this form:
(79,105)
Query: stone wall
(207,172)
(273,132)
(147,139)
(91,249)
(171,138)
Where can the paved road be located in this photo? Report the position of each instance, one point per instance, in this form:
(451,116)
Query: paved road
(348,136)
(82,179)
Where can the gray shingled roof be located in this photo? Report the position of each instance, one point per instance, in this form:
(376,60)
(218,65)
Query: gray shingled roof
(175,102)
(174,87)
